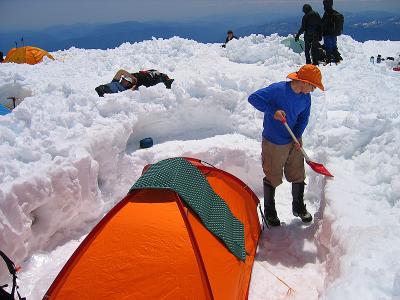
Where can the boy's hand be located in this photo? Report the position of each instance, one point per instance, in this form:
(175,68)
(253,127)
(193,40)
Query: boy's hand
(280,115)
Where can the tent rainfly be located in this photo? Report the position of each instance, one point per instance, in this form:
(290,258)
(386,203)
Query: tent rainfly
(186,230)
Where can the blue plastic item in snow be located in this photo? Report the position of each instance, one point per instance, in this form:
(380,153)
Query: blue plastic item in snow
(4,110)
(146,143)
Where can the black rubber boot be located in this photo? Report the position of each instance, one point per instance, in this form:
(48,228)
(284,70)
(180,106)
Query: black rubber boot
(298,206)
(269,205)
(100,91)
(168,83)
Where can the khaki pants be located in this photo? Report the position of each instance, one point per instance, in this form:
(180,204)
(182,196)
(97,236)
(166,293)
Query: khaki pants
(279,158)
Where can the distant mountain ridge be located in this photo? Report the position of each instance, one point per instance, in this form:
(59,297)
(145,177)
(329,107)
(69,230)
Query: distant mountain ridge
(103,36)
(385,28)
(361,26)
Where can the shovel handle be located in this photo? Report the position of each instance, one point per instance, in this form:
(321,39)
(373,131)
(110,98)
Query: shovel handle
(295,139)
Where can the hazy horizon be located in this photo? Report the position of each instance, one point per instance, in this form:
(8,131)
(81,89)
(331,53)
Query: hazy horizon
(41,14)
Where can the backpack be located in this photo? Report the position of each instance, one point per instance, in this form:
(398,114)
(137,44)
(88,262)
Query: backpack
(318,53)
(337,23)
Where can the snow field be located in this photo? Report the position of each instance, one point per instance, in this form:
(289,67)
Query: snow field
(67,156)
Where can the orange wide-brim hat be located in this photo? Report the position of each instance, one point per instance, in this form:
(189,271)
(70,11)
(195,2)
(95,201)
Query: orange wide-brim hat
(310,74)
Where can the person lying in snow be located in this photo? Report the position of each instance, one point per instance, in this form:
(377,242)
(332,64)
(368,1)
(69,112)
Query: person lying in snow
(124,80)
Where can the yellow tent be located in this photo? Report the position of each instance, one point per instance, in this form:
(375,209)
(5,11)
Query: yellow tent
(26,55)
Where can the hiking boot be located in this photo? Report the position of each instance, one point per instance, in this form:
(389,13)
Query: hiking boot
(298,207)
(168,83)
(269,205)
(273,221)
(304,215)
(99,91)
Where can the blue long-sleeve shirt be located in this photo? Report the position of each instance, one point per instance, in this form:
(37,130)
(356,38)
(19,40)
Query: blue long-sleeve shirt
(280,96)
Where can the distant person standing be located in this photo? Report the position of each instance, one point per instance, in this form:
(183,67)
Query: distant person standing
(332,27)
(229,37)
(1,57)
(311,26)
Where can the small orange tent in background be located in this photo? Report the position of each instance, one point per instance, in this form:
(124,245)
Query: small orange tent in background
(186,230)
(26,55)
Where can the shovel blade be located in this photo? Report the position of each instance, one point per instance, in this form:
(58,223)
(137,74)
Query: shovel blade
(319,168)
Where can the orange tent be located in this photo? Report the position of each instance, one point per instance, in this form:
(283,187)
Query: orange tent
(26,55)
(154,245)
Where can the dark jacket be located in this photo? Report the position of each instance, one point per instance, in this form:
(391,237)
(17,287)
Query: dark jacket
(311,24)
(227,39)
(151,77)
(328,25)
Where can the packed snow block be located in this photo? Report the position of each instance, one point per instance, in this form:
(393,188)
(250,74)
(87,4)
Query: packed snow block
(295,46)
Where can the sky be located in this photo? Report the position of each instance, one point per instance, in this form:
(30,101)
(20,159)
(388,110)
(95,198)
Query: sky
(23,14)
(67,156)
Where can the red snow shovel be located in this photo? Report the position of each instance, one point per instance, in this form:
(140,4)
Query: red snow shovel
(319,168)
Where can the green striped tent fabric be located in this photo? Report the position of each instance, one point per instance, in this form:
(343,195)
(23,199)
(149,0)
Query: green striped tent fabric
(181,176)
